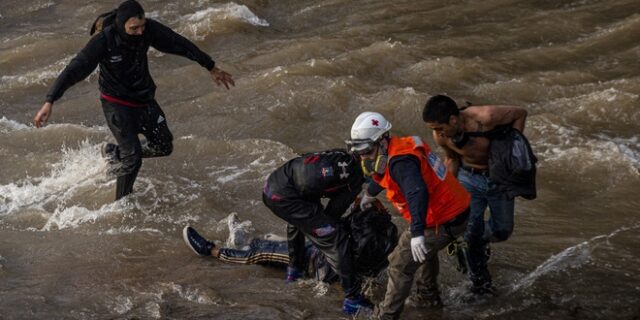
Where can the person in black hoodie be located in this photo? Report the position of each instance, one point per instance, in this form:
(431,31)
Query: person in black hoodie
(127,91)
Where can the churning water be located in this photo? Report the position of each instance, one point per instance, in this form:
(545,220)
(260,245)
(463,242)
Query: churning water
(304,70)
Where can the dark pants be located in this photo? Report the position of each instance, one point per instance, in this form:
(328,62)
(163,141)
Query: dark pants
(485,193)
(259,252)
(308,219)
(403,269)
(125,124)
(276,253)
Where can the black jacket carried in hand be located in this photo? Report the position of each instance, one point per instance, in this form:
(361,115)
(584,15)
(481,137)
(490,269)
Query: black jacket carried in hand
(124,69)
(512,164)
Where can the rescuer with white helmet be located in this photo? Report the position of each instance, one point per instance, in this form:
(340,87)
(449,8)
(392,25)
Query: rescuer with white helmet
(428,197)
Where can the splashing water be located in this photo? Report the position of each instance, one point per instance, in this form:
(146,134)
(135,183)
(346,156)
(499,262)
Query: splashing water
(7,125)
(79,169)
(201,23)
(239,232)
(570,258)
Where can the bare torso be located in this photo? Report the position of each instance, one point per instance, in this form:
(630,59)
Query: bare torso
(475,152)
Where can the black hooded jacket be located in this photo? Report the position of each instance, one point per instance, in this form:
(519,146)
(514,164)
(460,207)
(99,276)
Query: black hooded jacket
(124,69)
(333,174)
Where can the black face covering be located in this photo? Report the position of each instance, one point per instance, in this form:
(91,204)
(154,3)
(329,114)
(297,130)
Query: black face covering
(127,10)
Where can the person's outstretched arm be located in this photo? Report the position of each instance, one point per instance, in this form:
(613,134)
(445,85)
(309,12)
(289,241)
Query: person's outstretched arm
(168,41)
(78,69)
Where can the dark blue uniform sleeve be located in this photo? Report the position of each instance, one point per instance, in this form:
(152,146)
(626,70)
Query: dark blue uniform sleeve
(80,67)
(168,41)
(373,189)
(405,171)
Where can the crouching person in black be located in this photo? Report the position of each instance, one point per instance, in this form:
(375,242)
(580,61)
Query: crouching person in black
(294,192)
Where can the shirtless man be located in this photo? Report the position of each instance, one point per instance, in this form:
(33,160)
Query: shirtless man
(460,133)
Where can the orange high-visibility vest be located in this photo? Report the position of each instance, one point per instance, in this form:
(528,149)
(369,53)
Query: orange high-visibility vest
(447,197)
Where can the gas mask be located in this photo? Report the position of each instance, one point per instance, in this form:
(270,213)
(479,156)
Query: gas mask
(376,165)
(367,146)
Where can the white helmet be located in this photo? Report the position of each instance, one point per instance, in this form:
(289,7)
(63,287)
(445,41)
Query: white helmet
(369,126)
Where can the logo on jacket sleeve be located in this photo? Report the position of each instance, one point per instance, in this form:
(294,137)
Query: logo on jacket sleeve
(343,166)
(327,172)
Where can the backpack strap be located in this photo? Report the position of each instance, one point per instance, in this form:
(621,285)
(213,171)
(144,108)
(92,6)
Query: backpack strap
(102,21)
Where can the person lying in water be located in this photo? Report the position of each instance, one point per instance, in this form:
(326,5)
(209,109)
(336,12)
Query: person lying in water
(373,237)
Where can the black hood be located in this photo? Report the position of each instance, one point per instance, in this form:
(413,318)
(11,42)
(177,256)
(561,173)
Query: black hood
(125,11)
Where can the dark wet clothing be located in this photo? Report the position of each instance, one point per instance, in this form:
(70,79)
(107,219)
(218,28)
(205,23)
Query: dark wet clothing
(124,69)
(125,124)
(372,234)
(294,192)
(128,91)
(276,253)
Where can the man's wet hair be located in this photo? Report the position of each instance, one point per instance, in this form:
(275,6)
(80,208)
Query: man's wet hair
(439,109)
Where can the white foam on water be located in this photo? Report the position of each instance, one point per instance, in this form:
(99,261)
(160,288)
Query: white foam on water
(203,22)
(153,309)
(231,11)
(128,230)
(321,289)
(610,105)
(40,6)
(263,163)
(32,34)
(318,288)
(78,169)
(192,295)
(629,149)
(568,144)
(317,6)
(74,216)
(571,258)
(239,231)
(589,154)
(150,299)
(8,125)
(260,162)
(155,14)
(38,76)
(122,305)
(604,34)
(235,173)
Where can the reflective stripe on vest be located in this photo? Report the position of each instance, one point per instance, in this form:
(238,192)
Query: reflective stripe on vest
(447,197)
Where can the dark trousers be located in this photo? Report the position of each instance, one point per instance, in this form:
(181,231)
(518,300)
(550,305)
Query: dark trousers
(308,219)
(259,252)
(403,269)
(125,124)
(485,193)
